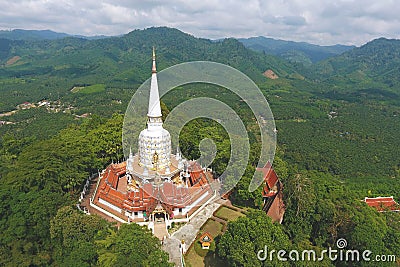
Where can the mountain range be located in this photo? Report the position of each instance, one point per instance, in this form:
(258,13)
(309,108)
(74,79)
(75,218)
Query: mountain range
(115,55)
(118,60)
(21,34)
(302,52)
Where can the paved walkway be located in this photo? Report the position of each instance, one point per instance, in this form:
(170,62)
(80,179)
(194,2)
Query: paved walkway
(160,230)
(188,232)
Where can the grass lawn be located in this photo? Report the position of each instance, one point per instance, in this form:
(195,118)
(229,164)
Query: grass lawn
(202,258)
(95,88)
(212,227)
(228,214)
(193,259)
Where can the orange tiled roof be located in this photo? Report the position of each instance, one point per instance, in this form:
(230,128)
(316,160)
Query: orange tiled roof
(272,190)
(277,209)
(382,203)
(270,176)
(206,237)
(147,197)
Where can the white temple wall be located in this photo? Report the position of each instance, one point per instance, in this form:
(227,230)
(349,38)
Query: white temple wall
(108,204)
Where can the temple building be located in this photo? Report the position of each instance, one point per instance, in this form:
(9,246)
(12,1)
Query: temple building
(272,194)
(382,204)
(153,185)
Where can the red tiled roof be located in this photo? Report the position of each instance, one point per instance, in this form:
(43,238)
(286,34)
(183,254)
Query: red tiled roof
(168,190)
(268,193)
(206,237)
(270,176)
(113,172)
(147,197)
(382,203)
(272,191)
(174,195)
(277,209)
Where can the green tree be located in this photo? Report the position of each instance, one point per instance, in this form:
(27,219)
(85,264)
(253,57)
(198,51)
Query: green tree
(246,236)
(131,245)
(73,234)
(299,198)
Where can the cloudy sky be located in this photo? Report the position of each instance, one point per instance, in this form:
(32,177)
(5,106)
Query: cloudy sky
(314,21)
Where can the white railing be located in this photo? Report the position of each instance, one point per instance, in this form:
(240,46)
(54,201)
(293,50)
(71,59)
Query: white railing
(97,185)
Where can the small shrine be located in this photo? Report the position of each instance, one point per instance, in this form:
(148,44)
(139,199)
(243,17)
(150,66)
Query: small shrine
(206,240)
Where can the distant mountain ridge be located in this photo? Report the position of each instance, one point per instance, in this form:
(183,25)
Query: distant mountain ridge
(50,52)
(19,34)
(301,52)
(377,61)
(118,57)
(376,57)
(29,35)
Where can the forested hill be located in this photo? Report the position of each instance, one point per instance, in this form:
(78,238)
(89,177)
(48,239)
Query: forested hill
(116,62)
(301,52)
(377,61)
(129,51)
(19,34)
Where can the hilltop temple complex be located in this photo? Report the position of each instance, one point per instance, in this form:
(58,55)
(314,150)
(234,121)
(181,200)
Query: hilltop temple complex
(154,184)
(154,187)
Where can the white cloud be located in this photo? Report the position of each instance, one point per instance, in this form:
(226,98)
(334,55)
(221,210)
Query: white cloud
(321,22)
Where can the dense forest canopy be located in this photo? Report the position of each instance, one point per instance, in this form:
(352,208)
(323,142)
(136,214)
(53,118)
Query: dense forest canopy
(62,109)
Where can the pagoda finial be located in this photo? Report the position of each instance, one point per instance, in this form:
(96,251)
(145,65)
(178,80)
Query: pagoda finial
(154,100)
(154,70)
